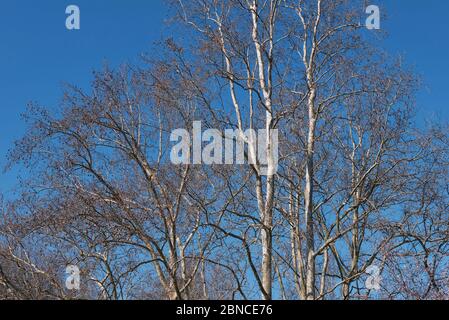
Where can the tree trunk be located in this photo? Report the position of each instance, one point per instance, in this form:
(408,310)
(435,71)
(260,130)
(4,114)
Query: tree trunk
(308,196)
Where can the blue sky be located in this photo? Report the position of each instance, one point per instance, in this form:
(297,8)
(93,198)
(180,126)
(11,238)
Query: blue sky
(38,54)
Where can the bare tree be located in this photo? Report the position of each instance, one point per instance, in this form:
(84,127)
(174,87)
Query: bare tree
(358,183)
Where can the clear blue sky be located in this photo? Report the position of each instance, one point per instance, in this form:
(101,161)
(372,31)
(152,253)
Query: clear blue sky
(37,52)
